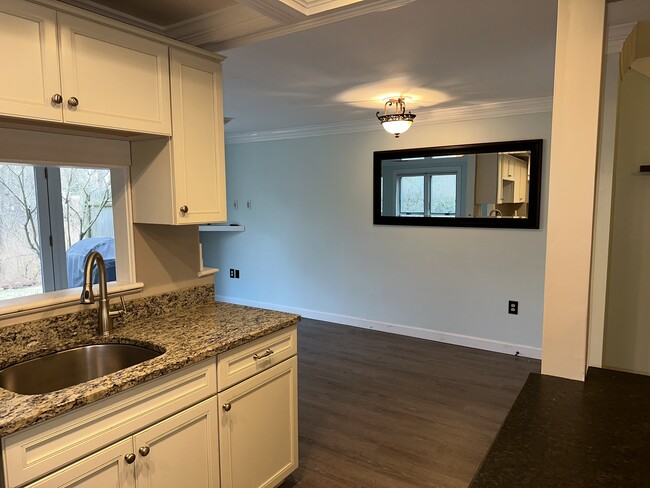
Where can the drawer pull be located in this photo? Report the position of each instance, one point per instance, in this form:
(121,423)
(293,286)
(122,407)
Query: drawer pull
(266,354)
(129,458)
(144,451)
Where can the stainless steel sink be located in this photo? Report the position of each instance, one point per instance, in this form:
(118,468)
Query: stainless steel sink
(71,367)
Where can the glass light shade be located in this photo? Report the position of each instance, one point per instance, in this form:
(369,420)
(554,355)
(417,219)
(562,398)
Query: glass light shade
(397,127)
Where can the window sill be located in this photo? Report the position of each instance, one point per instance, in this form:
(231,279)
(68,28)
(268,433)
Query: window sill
(16,307)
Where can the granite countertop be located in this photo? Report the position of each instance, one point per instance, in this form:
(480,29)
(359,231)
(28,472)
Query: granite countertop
(569,434)
(189,326)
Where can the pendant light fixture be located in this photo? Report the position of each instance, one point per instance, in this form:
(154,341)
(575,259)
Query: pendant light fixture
(396,122)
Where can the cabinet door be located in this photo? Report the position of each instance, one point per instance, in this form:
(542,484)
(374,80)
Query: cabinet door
(258,428)
(198,145)
(181,450)
(106,468)
(30,62)
(121,81)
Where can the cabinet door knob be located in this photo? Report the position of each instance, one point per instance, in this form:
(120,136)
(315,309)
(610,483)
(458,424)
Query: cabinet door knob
(129,458)
(57,98)
(144,451)
(184,209)
(73,101)
(227,407)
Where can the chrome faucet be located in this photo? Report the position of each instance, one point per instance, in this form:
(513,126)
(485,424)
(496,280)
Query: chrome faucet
(105,314)
(496,211)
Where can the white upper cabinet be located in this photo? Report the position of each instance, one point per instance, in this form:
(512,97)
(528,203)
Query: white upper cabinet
(113,79)
(90,75)
(183,180)
(198,145)
(30,61)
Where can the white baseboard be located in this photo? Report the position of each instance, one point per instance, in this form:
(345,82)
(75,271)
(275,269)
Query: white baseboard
(406,330)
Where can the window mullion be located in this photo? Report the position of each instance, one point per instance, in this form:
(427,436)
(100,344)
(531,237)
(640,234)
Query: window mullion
(44,233)
(55,206)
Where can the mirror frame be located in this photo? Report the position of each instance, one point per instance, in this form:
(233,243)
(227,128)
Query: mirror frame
(535,146)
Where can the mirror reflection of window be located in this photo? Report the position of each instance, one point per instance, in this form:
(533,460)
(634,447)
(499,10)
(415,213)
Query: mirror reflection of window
(443,195)
(411,195)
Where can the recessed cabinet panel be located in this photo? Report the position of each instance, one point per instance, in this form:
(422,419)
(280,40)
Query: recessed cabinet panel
(106,468)
(258,435)
(198,147)
(119,80)
(180,451)
(30,64)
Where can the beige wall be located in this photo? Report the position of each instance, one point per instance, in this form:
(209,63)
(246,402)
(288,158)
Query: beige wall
(167,257)
(578,62)
(602,209)
(627,327)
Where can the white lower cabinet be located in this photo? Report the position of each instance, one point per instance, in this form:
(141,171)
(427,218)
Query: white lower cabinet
(258,428)
(178,451)
(105,468)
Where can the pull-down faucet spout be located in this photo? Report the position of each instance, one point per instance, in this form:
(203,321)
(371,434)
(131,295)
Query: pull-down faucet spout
(105,314)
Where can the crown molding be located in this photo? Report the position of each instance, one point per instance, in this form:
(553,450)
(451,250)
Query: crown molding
(354,10)
(616,35)
(424,117)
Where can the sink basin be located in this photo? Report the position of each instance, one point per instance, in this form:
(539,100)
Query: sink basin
(71,367)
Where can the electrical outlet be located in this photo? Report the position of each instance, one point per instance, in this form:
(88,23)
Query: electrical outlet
(235,204)
(249,205)
(232,273)
(237,274)
(513,307)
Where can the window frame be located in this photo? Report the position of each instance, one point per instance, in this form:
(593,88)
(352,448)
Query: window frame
(124,245)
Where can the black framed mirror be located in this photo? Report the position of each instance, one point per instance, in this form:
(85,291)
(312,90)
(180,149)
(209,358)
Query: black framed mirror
(495,184)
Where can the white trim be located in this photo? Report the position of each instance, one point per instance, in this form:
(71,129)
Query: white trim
(16,307)
(424,117)
(207,272)
(400,329)
(221,228)
(616,35)
(311,7)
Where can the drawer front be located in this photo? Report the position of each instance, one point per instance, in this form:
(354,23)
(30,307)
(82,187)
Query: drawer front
(245,361)
(43,448)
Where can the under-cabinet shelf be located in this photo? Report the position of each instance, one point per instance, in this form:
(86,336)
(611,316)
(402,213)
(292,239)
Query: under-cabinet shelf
(222,228)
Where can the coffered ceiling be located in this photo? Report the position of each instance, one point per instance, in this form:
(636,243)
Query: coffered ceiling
(303,67)
(221,24)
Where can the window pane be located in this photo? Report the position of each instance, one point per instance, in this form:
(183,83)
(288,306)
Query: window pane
(20,258)
(443,194)
(411,195)
(87,220)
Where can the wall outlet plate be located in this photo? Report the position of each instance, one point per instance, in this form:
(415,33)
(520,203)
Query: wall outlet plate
(513,307)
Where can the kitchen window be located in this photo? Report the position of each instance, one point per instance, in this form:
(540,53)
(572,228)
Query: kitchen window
(51,217)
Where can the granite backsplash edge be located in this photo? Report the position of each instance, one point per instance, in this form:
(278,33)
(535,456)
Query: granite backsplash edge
(33,338)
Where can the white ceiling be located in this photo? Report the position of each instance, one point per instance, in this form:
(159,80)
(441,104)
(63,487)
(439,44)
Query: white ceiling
(317,63)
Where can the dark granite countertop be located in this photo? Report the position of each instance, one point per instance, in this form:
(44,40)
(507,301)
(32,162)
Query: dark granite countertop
(189,326)
(563,433)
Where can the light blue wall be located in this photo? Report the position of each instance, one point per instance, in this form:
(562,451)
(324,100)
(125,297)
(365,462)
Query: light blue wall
(310,244)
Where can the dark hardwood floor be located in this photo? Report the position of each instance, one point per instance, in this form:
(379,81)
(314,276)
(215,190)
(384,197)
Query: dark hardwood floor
(378,410)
